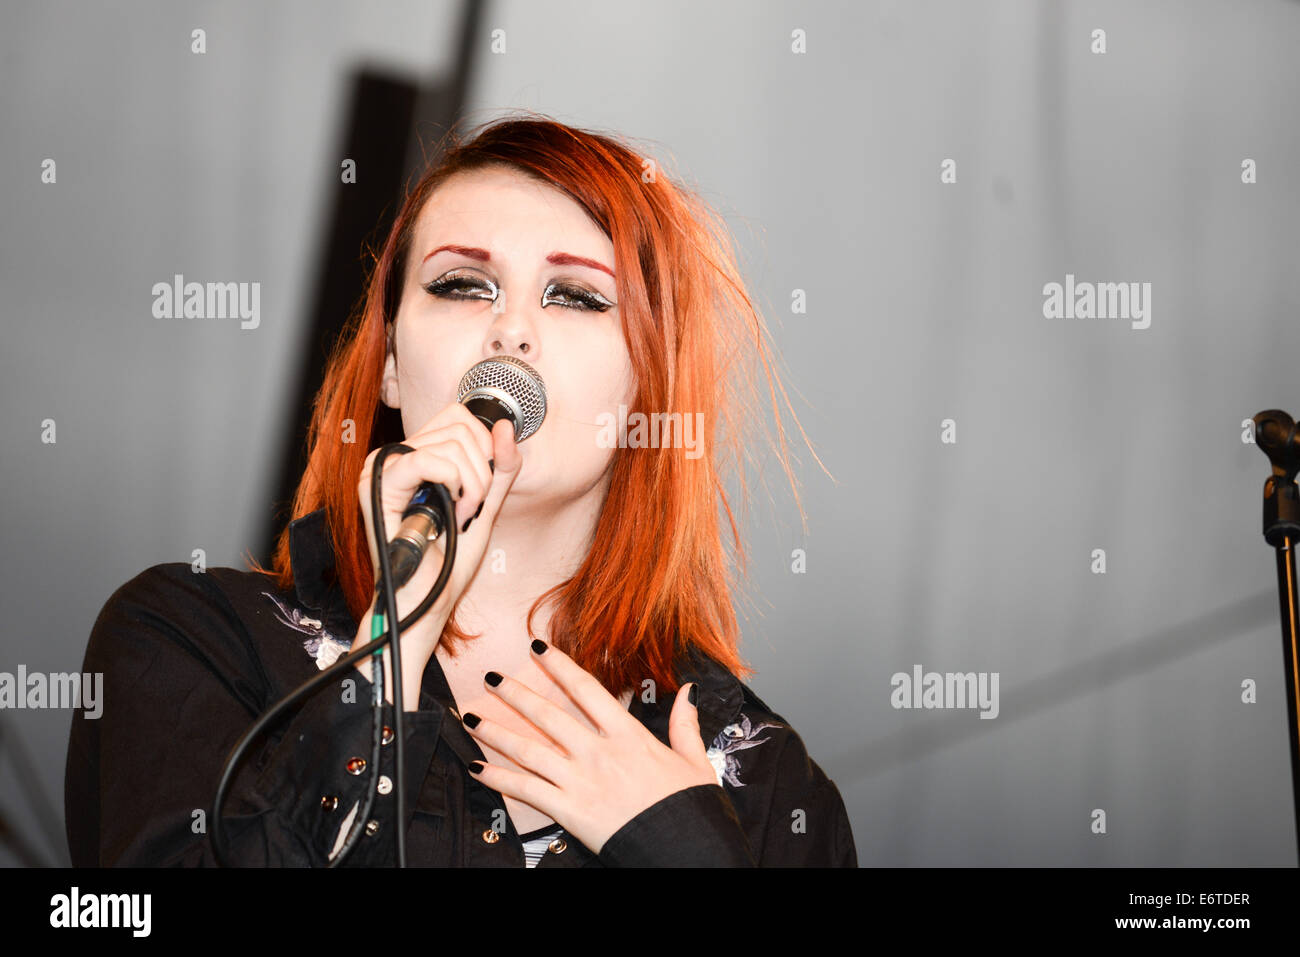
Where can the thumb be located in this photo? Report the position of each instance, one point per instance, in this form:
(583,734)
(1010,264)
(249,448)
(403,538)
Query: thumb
(506,463)
(684,727)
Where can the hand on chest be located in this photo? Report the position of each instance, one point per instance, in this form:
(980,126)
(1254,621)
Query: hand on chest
(473,696)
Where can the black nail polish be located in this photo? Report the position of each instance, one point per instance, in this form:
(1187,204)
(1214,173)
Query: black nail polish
(461,493)
(471,719)
(465,528)
(694,696)
(477,510)
(492,465)
(492,678)
(539,646)
(476,767)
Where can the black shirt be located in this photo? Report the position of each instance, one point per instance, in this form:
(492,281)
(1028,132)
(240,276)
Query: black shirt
(191,659)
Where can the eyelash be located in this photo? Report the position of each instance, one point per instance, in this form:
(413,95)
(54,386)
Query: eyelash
(442,288)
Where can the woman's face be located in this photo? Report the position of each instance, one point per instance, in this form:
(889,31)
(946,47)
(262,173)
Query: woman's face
(512,285)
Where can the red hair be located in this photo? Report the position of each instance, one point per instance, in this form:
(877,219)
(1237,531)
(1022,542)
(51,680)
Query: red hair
(658,577)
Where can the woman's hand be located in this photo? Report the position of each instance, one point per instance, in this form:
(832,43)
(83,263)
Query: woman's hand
(595,782)
(454,449)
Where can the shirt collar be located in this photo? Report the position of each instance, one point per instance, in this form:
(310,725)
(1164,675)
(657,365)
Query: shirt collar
(311,557)
(721,695)
(311,553)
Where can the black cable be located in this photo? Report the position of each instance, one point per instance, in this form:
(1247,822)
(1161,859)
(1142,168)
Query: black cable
(346,661)
(399,716)
(377,671)
(377,681)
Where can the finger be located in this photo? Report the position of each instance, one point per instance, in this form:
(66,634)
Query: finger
(457,414)
(684,727)
(397,488)
(604,710)
(445,463)
(365,480)
(504,469)
(557,724)
(472,487)
(523,786)
(505,450)
(481,433)
(398,483)
(475,440)
(529,753)
(403,473)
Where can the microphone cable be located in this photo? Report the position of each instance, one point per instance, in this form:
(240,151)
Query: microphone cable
(381,636)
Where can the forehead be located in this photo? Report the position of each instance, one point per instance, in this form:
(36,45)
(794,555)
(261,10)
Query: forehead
(507,213)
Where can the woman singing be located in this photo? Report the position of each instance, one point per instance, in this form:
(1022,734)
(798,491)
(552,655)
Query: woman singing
(574,697)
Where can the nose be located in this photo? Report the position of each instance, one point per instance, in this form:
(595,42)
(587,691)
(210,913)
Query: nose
(511,334)
(522,348)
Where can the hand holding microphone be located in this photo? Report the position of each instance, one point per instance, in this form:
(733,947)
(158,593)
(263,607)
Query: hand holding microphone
(478,468)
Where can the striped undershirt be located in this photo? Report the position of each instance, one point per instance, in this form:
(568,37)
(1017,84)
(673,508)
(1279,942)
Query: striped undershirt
(536,842)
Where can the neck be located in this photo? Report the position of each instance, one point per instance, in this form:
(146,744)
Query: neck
(533,547)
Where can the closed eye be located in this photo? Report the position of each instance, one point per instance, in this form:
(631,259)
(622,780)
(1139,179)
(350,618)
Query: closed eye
(592,301)
(449,287)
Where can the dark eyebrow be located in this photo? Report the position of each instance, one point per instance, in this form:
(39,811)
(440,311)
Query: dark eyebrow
(555,259)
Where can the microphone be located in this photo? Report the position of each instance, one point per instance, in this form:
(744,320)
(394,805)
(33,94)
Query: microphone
(499,388)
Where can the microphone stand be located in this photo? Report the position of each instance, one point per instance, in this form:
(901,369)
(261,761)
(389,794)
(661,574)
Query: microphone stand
(1276,436)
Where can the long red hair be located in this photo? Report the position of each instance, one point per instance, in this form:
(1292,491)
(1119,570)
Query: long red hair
(658,577)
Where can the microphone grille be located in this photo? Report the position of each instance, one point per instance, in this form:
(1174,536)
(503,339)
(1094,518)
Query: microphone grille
(513,383)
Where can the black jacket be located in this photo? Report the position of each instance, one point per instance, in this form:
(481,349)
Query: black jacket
(191,659)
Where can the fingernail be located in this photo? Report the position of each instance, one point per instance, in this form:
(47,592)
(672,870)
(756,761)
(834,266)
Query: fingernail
(465,528)
(471,719)
(476,767)
(461,493)
(477,510)
(694,696)
(539,646)
(492,678)
(492,465)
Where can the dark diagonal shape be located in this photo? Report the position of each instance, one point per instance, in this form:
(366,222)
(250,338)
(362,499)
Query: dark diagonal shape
(389,118)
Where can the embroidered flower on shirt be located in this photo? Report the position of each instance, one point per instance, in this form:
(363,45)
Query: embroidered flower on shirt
(732,738)
(320,644)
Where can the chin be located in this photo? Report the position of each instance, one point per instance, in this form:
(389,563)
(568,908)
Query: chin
(547,488)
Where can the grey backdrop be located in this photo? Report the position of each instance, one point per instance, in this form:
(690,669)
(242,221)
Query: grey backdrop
(1119,691)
